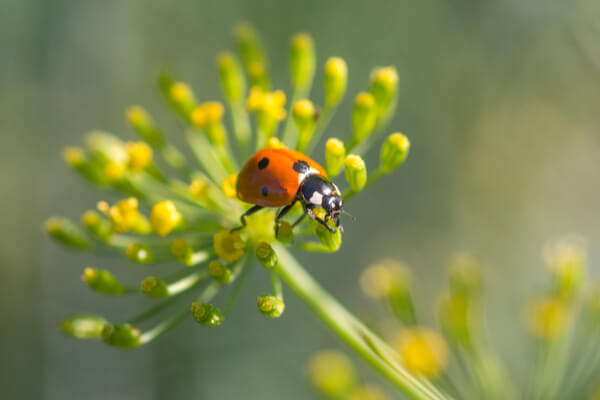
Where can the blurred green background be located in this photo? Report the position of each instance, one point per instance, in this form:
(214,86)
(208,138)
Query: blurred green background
(500,100)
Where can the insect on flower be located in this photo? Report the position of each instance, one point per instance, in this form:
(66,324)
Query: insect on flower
(282,177)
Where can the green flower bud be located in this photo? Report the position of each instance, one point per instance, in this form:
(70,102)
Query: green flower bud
(270,306)
(266,255)
(145,127)
(302,60)
(219,272)
(356,172)
(232,77)
(206,314)
(335,152)
(124,336)
(394,151)
(384,86)
(139,253)
(454,311)
(181,97)
(285,234)
(102,281)
(304,116)
(154,287)
(331,241)
(78,160)
(364,116)
(335,79)
(83,326)
(96,224)
(67,233)
(253,55)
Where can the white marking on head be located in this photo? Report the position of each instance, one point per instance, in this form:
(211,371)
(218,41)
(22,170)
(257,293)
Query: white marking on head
(316,198)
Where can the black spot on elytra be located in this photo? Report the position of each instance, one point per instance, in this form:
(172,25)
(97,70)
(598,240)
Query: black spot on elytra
(262,164)
(301,167)
(264,191)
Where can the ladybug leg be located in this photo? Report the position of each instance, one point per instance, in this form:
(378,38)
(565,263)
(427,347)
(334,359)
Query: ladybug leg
(244,215)
(300,218)
(282,214)
(309,211)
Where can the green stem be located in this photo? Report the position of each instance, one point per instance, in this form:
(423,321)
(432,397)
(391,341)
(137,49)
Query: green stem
(320,127)
(362,340)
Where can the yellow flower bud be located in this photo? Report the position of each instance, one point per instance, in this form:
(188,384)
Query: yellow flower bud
(335,152)
(199,189)
(102,281)
(356,172)
(143,124)
(124,215)
(336,76)
(331,240)
(332,373)
(302,60)
(422,351)
(274,143)
(182,98)
(96,224)
(384,86)
(253,55)
(232,78)
(165,217)
(364,116)
(140,155)
(285,233)
(113,171)
(269,108)
(229,245)
(74,156)
(303,113)
(567,260)
(464,274)
(455,311)
(207,113)
(229,186)
(547,318)
(394,151)
(270,306)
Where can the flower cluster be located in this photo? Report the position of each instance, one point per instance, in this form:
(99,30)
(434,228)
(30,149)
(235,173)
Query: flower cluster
(562,322)
(165,208)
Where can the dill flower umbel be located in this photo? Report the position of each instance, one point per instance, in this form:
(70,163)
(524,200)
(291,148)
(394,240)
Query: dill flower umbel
(166,208)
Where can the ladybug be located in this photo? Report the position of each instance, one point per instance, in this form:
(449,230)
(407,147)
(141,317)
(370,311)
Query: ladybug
(282,177)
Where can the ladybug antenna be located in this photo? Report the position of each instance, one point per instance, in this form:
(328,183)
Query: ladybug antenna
(350,215)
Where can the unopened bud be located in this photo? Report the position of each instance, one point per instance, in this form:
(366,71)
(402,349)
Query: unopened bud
(302,60)
(270,306)
(356,172)
(364,116)
(219,272)
(394,151)
(303,113)
(384,87)
(124,336)
(206,314)
(83,326)
(102,281)
(336,76)
(139,253)
(165,217)
(154,287)
(67,233)
(335,152)
(266,255)
(144,125)
(232,78)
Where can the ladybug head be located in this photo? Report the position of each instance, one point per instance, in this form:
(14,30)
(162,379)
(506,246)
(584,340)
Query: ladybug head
(333,205)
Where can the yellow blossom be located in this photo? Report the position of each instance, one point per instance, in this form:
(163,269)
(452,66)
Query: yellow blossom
(207,113)
(140,155)
(332,373)
(270,103)
(113,171)
(164,217)
(228,186)
(547,318)
(199,189)
(124,215)
(422,351)
(229,245)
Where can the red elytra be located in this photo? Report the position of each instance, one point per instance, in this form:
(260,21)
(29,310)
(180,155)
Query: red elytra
(269,179)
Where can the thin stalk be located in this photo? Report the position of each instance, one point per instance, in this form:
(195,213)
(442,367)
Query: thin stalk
(362,340)
(326,115)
